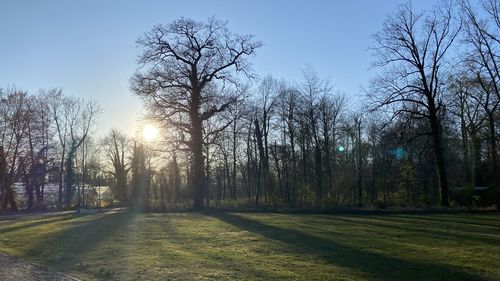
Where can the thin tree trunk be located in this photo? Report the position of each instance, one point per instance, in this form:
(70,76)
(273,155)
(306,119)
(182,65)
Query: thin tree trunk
(61,179)
(261,170)
(359,170)
(438,150)
(493,156)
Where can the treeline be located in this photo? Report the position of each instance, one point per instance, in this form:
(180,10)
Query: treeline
(42,134)
(425,135)
(427,130)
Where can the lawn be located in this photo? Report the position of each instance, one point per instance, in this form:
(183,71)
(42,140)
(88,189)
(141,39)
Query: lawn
(259,246)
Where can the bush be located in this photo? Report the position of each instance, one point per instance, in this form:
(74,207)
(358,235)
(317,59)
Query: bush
(470,197)
(379,204)
(463,196)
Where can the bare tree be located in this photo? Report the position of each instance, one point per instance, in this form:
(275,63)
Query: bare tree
(313,88)
(116,147)
(358,120)
(35,160)
(412,49)
(482,37)
(180,62)
(14,114)
(287,110)
(236,113)
(331,108)
(465,103)
(73,119)
(84,116)
(59,107)
(265,103)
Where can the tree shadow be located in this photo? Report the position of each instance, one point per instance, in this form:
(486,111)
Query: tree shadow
(213,255)
(25,223)
(486,219)
(66,250)
(376,265)
(63,250)
(422,230)
(227,264)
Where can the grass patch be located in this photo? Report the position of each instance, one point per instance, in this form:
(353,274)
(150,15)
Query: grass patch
(244,246)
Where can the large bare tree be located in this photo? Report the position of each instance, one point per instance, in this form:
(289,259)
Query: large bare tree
(482,58)
(412,49)
(181,64)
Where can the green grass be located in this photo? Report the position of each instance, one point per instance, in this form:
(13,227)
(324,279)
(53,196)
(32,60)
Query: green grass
(253,246)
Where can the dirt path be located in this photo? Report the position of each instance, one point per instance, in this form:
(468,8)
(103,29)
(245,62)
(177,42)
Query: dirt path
(16,269)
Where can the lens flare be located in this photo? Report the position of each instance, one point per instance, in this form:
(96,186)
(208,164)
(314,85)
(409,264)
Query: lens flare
(399,153)
(149,132)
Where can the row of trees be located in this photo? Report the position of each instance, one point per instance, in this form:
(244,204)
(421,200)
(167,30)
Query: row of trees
(422,81)
(429,123)
(428,128)
(41,134)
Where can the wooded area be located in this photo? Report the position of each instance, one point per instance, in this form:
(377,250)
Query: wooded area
(425,134)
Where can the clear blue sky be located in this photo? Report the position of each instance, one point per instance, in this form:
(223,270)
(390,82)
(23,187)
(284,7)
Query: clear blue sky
(88,47)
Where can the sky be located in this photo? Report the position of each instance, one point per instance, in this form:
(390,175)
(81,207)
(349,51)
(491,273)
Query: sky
(88,48)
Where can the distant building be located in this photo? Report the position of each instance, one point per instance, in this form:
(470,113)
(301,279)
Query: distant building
(50,194)
(99,196)
(95,196)
(53,174)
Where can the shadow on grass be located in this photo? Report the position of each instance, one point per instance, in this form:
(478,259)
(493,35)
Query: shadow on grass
(425,230)
(376,265)
(27,223)
(487,219)
(217,261)
(64,249)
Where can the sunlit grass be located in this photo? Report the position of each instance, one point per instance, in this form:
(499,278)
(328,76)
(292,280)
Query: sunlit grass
(244,246)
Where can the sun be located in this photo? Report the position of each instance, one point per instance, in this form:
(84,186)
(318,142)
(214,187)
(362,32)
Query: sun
(150,132)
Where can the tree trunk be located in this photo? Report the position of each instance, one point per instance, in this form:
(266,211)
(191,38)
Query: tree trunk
(438,150)
(207,176)
(476,158)
(61,179)
(198,173)
(69,176)
(319,175)
(334,164)
(233,185)
(261,173)
(293,184)
(465,147)
(249,168)
(9,198)
(359,171)
(493,156)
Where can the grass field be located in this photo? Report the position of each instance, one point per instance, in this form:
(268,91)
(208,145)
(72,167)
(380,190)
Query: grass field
(259,246)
